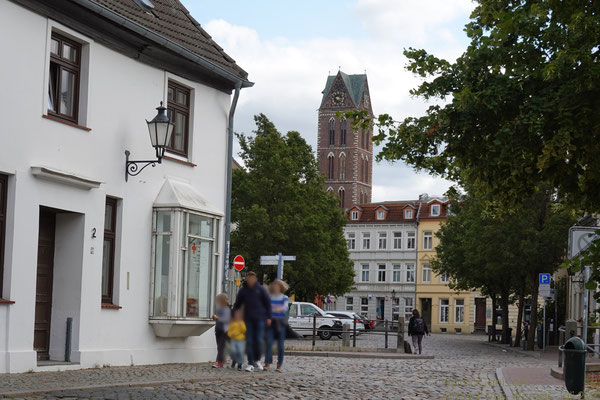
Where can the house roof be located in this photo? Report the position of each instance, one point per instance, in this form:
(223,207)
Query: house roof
(354,83)
(395,211)
(171,20)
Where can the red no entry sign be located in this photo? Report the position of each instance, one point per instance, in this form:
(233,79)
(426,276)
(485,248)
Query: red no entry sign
(239,263)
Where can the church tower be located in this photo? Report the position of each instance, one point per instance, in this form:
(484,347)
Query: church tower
(345,156)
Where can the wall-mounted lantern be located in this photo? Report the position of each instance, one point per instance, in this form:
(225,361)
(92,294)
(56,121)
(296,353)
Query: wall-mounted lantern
(160,129)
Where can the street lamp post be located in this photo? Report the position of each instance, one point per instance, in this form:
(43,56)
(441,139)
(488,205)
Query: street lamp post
(160,129)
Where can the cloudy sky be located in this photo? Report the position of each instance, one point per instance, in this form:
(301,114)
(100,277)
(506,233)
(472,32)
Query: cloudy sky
(289,48)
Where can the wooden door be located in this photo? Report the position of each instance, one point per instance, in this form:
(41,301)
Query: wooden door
(426,311)
(43,292)
(480,316)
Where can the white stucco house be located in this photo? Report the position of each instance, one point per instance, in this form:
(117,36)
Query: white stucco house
(96,269)
(382,241)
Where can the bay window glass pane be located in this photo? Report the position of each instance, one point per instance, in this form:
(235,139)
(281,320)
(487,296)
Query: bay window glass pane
(163,221)
(161,274)
(179,132)
(67,92)
(201,226)
(198,277)
(106,257)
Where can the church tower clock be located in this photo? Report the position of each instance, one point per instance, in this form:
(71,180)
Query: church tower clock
(345,156)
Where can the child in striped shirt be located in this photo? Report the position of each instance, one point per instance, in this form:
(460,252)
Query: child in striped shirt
(279,309)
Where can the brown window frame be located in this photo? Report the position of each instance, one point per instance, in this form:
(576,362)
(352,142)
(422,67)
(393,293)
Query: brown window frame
(68,65)
(111,236)
(332,132)
(3,198)
(343,126)
(185,110)
(330,168)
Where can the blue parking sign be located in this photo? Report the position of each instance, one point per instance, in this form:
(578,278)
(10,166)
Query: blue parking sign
(545,279)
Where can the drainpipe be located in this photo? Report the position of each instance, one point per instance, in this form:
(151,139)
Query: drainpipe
(236,95)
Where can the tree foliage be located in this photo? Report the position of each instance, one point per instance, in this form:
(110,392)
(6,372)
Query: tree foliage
(522,104)
(279,205)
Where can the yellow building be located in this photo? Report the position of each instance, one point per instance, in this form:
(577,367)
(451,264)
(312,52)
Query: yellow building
(442,308)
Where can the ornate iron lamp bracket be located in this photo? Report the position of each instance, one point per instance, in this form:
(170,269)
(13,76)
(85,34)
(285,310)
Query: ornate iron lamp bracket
(133,168)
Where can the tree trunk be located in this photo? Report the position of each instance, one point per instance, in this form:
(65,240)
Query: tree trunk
(505,325)
(533,319)
(494,317)
(519,332)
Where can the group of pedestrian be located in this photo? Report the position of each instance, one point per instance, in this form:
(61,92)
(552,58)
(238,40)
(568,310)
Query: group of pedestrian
(258,318)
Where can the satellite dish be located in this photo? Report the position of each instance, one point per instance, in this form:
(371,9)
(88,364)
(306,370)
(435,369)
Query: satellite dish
(145,5)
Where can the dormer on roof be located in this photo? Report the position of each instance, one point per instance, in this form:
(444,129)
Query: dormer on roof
(355,213)
(381,212)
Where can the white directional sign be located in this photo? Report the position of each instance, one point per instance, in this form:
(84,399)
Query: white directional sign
(580,237)
(269,260)
(276,260)
(545,291)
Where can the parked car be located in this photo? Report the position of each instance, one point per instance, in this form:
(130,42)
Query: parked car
(348,317)
(301,320)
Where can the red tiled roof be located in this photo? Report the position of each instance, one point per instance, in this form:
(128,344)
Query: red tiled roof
(395,212)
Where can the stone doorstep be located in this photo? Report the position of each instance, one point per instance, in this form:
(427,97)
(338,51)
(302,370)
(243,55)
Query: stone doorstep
(558,372)
(356,354)
(243,376)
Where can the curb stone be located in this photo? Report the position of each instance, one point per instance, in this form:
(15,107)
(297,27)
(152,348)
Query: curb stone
(502,382)
(339,354)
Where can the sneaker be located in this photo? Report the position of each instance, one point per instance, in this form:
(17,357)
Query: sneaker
(279,369)
(249,368)
(239,367)
(266,367)
(233,364)
(217,365)
(259,365)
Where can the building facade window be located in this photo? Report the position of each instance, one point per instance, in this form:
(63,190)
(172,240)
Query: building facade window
(397,240)
(395,309)
(351,241)
(64,78)
(364,305)
(366,241)
(426,277)
(459,311)
(381,273)
(444,277)
(185,253)
(3,196)
(178,108)
(342,167)
(408,307)
(410,273)
(354,216)
(365,273)
(411,240)
(427,240)
(366,171)
(408,214)
(344,129)
(397,273)
(444,310)
(380,215)
(342,195)
(330,166)
(349,303)
(331,132)
(435,210)
(382,243)
(108,251)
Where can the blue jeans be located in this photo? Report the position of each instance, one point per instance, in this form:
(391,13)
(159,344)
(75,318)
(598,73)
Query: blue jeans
(237,351)
(255,334)
(276,330)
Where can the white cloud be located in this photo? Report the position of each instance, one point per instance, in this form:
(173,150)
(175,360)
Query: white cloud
(290,75)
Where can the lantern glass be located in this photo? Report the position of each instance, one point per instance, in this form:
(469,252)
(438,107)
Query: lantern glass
(160,129)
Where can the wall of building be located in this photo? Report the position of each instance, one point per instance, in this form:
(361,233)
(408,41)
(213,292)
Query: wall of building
(121,93)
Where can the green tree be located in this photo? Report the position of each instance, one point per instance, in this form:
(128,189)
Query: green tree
(502,256)
(279,205)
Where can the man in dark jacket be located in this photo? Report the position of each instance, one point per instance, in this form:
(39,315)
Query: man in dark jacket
(257,311)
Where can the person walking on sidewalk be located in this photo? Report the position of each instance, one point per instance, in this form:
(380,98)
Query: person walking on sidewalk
(257,313)
(236,333)
(417,328)
(222,318)
(279,309)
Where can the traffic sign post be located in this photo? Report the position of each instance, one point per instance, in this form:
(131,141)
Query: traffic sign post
(239,263)
(276,260)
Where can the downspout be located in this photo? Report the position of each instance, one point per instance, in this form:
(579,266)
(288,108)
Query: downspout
(228,184)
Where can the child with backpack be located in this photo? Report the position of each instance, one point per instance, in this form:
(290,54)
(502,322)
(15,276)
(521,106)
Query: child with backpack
(222,318)
(417,328)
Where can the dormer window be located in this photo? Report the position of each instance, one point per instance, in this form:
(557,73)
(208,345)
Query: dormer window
(408,214)
(354,216)
(380,214)
(435,210)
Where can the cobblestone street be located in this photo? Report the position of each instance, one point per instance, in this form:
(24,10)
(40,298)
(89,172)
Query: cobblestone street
(464,368)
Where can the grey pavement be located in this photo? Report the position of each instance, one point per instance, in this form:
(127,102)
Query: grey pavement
(464,368)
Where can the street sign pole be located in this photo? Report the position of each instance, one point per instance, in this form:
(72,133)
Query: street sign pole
(544,327)
(586,277)
(279,266)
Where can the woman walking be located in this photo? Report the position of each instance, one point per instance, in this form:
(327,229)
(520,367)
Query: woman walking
(417,328)
(279,309)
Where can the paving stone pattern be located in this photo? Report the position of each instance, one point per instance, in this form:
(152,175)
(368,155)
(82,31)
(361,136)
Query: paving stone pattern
(464,368)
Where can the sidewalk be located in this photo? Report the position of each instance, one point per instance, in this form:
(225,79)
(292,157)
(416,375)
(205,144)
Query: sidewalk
(28,384)
(532,383)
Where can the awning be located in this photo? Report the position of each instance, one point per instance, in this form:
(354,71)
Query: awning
(177,194)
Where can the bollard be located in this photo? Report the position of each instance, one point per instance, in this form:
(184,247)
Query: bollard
(385,324)
(354,334)
(400,343)
(314,329)
(68,340)
(346,335)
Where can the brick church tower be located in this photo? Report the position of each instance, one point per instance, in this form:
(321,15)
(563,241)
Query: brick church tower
(345,156)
